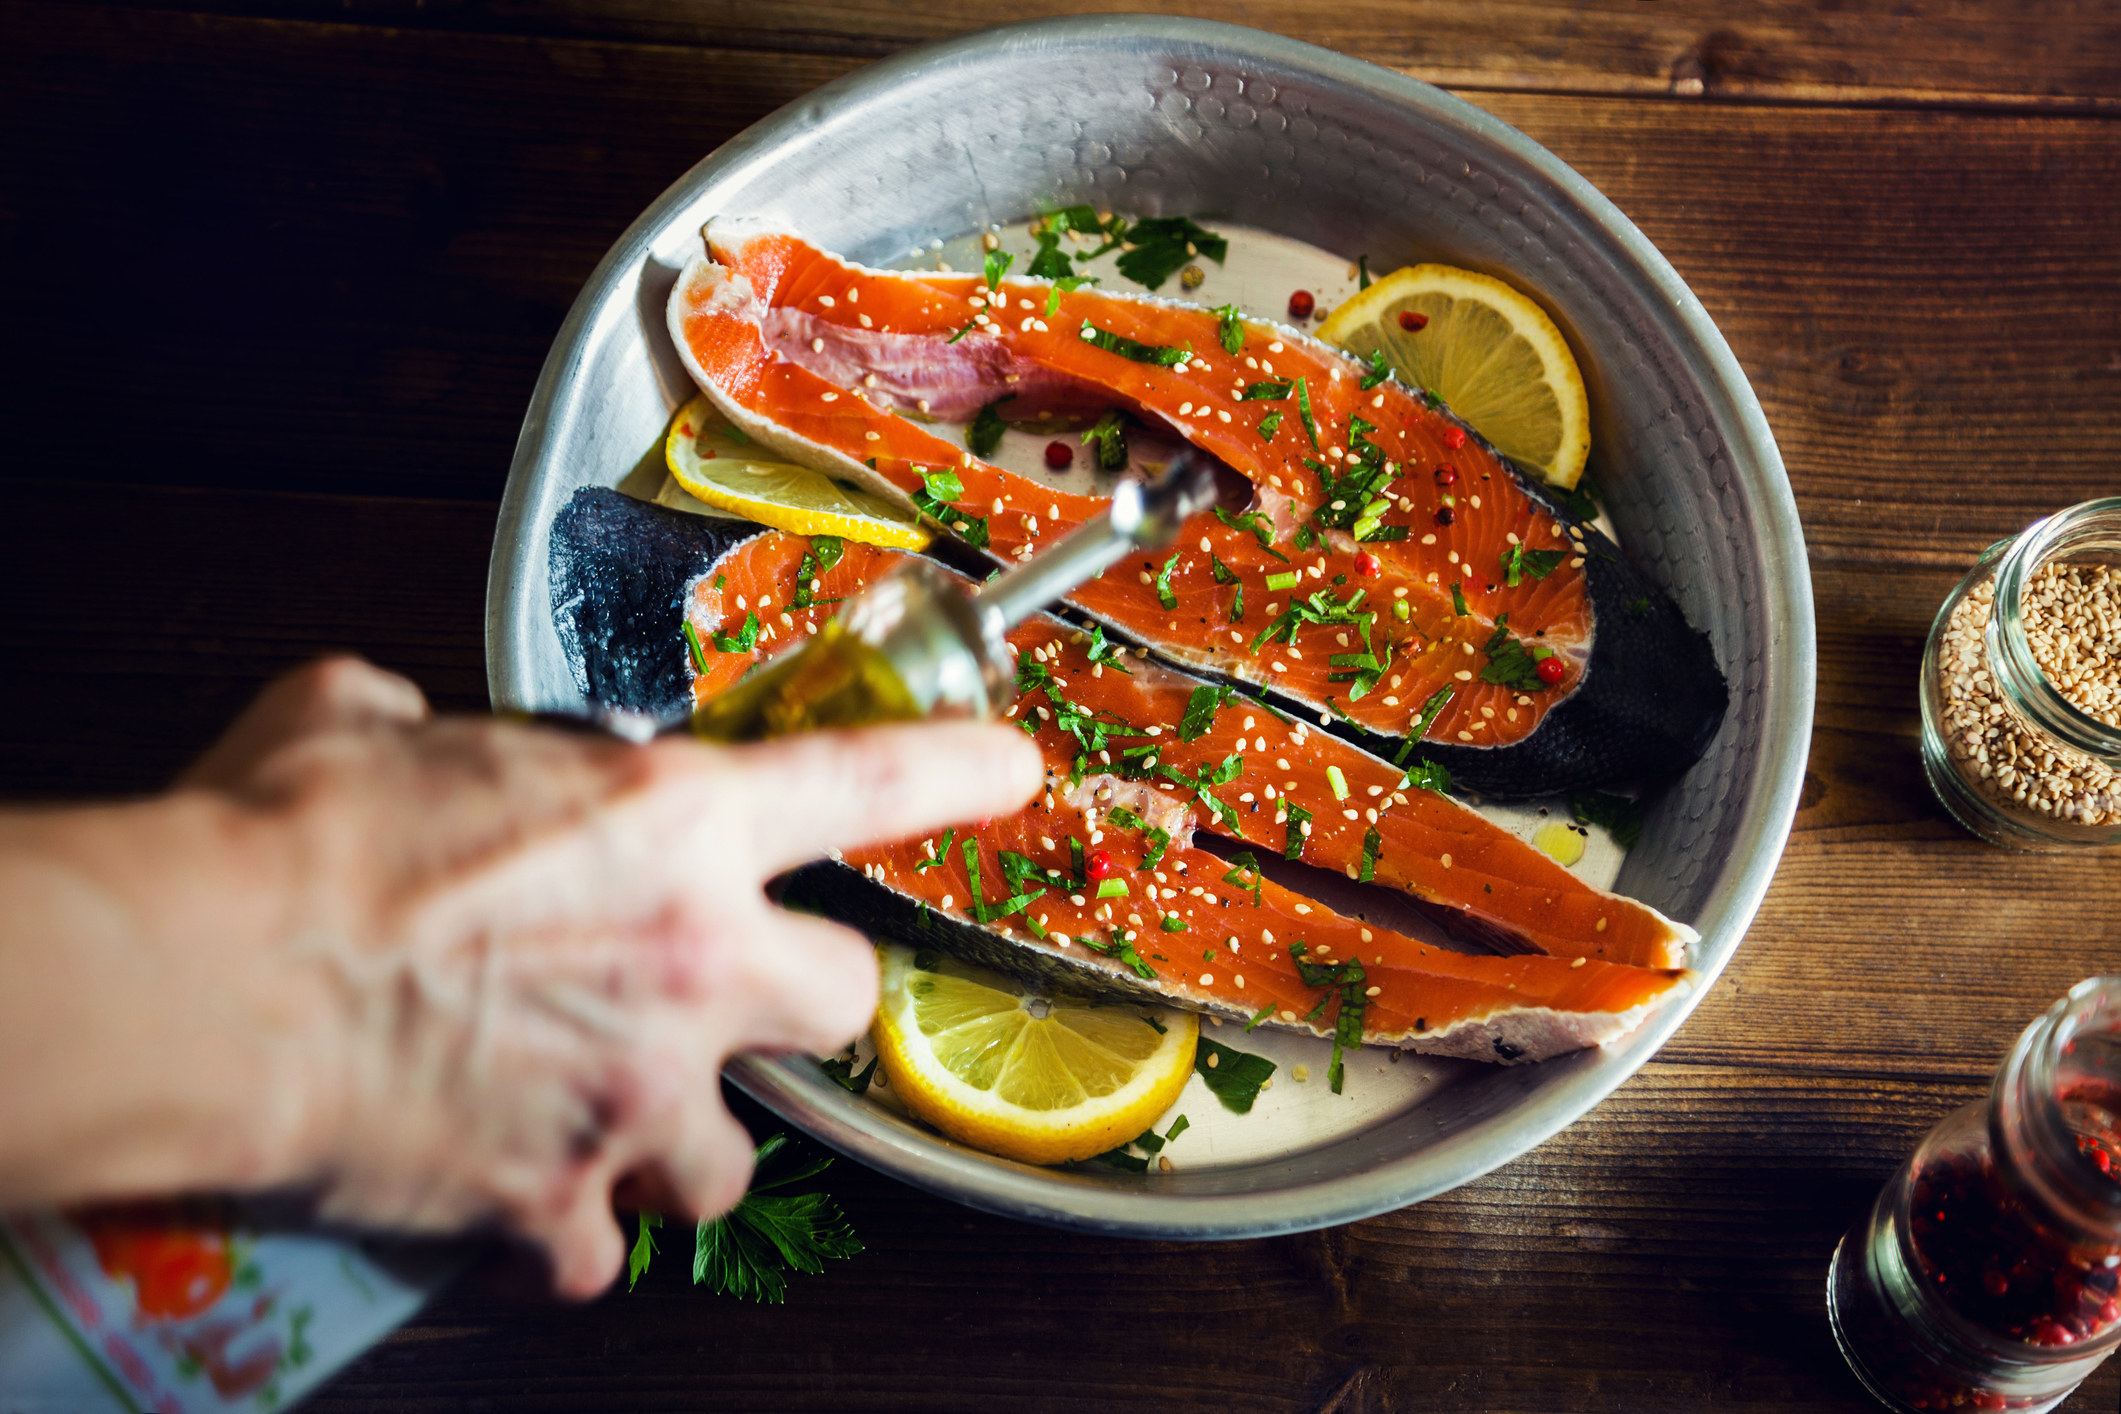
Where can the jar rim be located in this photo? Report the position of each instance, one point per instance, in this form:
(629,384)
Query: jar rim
(2017,673)
(2028,1124)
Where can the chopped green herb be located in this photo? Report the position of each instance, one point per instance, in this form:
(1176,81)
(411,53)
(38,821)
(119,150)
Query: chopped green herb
(1338,781)
(1225,575)
(962,330)
(1400,610)
(1178,1126)
(1458,599)
(941,855)
(1510,663)
(1255,521)
(1201,708)
(1284,580)
(1172,923)
(1230,331)
(1120,1159)
(1372,845)
(1159,837)
(1265,392)
(692,646)
(1362,270)
(1261,1015)
(938,489)
(1269,425)
(748,1251)
(1134,349)
(1232,1076)
(1112,888)
(1125,952)
(841,1069)
(1062,286)
(743,640)
(985,433)
(1163,244)
(1298,818)
(1621,817)
(1109,437)
(1576,500)
(1245,873)
(643,1248)
(719,581)
(1430,711)
(1164,593)
(1349,978)
(1303,408)
(1110,655)
(1379,370)
(823,554)
(1517,562)
(1638,607)
(997,265)
(1427,775)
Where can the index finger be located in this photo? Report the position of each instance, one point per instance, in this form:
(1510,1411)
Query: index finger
(804,796)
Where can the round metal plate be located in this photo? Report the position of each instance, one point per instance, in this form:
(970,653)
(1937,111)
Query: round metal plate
(1158,116)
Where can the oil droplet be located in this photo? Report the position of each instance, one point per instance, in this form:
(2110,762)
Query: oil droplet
(1562,844)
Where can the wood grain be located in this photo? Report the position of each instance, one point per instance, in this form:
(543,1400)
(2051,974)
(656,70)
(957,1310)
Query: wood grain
(1668,1254)
(2042,55)
(335,244)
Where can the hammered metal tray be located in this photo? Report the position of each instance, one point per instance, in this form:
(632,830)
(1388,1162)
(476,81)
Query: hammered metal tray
(1161,116)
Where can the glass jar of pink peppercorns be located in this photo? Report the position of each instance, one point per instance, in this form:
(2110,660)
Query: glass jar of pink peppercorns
(1988,1273)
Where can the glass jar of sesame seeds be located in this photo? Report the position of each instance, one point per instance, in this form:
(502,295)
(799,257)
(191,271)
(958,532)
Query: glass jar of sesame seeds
(2021,687)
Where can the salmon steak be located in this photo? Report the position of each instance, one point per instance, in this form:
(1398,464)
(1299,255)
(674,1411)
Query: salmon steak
(1378,566)
(1104,882)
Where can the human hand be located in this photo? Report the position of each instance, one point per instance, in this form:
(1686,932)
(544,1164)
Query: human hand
(526,954)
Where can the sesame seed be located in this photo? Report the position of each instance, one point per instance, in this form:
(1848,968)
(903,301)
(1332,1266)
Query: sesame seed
(1447,861)
(817,346)
(1601,926)
(829,397)
(949,900)
(1462,675)
(1578,962)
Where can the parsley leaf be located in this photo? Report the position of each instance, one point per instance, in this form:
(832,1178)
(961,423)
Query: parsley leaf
(937,489)
(1049,263)
(743,640)
(985,433)
(997,265)
(1298,818)
(1201,708)
(1303,407)
(1265,391)
(1576,500)
(1269,425)
(1062,286)
(1621,817)
(1517,562)
(1109,437)
(1427,775)
(1510,663)
(1233,1077)
(1161,247)
(1230,331)
(1134,349)
(1245,873)
(1111,655)
(643,1248)
(823,554)
(1125,952)
(748,1251)
(1379,371)
(1372,846)
(1165,595)
(1225,575)
(1255,521)
(841,1069)
(1347,1023)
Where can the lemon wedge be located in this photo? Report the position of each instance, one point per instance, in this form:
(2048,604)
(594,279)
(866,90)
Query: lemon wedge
(1487,350)
(1000,1067)
(718,465)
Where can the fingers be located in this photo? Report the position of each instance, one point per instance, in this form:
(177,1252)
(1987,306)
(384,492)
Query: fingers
(339,692)
(800,984)
(805,796)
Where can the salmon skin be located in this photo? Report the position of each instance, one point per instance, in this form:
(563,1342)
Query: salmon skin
(1389,571)
(1193,928)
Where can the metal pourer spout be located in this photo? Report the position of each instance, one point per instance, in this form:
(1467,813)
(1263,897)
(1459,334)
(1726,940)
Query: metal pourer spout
(1142,516)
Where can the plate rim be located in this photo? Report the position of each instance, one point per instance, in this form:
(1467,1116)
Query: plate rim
(1020,1191)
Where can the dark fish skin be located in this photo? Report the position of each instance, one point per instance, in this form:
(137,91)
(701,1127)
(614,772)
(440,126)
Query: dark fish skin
(1645,711)
(619,571)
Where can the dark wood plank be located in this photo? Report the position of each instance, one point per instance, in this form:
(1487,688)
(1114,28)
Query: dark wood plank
(1668,1253)
(360,303)
(2045,54)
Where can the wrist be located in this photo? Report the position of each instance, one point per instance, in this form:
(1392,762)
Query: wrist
(163,1036)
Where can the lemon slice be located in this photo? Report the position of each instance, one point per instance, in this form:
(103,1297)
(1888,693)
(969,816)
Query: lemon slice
(714,463)
(1487,350)
(1042,1079)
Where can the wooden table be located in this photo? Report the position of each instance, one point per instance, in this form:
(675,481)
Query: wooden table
(279,277)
